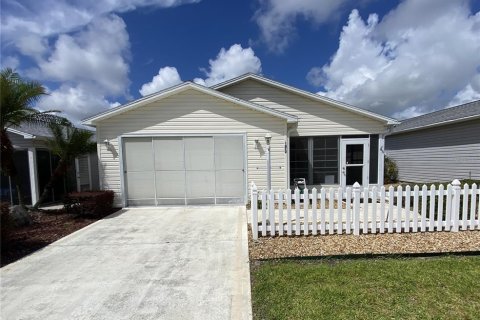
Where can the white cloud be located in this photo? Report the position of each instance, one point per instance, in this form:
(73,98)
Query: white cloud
(229,64)
(10,62)
(75,101)
(82,46)
(276,18)
(51,17)
(418,58)
(166,77)
(97,55)
(471,92)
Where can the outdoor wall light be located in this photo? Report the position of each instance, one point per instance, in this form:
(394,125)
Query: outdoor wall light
(106,142)
(268,138)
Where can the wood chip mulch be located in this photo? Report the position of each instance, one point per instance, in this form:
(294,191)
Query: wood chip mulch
(47,226)
(341,245)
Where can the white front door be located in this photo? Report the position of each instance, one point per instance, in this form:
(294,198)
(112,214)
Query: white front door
(355,161)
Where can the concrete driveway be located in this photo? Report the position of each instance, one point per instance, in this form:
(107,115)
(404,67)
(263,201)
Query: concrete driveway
(159,263)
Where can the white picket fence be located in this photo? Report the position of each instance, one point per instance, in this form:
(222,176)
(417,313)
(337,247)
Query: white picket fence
(363,210)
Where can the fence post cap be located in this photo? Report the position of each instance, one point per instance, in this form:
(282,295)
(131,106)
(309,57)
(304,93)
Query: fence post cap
(356,185)
(456,183)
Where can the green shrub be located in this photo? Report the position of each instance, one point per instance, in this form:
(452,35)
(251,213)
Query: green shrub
(89,203)
(390,171)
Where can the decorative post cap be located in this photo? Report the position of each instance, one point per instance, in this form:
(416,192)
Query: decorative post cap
(356,185)
(456,183)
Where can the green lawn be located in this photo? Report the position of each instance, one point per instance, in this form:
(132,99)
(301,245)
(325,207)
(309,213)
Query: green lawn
(390,288)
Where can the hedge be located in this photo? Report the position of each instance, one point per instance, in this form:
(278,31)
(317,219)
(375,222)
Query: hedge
(92,203)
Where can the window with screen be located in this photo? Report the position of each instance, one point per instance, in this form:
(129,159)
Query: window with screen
(315,159)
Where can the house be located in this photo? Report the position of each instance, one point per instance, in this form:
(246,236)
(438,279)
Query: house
(191,144)
(35,164)
(438,146)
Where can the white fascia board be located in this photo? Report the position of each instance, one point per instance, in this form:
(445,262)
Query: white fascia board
(177,89)
(21,133)
(307,94)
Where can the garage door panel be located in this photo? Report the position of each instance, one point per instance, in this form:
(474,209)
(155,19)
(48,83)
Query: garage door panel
(229,152)
(170,184)
(140,185)
(138,154)
(169,153)
(184,170)
(200,184)
(229,183)
(199,153)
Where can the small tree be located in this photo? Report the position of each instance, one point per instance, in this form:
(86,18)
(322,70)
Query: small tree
(17,97)
(67,143)
(391,171)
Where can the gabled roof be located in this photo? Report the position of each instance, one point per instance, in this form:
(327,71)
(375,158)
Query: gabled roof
(306,94)
(458,113)
(179,88)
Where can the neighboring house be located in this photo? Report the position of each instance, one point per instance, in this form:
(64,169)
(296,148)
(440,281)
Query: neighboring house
(35,163)
(191,144)
(438,146)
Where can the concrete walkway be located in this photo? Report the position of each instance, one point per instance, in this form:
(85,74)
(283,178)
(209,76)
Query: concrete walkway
(159,263)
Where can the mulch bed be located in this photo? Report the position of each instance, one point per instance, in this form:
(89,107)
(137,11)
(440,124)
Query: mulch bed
(47,227)
(342,245)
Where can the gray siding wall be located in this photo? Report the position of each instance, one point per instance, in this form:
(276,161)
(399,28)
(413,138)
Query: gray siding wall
(440,153)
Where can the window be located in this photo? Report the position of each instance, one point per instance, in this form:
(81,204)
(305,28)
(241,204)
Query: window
(315,159)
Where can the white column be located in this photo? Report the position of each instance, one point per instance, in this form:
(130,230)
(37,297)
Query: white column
(381,158)
(32,167)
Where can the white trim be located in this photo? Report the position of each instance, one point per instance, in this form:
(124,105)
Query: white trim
(25,135)
(366,159)
(123,188)
(180,88)
(436,124)
(32,167)
(307,94)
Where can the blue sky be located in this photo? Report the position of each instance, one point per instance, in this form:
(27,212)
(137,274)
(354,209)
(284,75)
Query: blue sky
(398,58)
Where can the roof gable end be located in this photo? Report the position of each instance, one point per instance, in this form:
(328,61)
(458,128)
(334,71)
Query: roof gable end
(303,93)
(160,95)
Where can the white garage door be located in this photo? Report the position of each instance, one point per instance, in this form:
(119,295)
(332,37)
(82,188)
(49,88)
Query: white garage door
(184,170)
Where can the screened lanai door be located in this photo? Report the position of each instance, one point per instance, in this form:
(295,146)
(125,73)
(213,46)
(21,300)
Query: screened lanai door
(190,170)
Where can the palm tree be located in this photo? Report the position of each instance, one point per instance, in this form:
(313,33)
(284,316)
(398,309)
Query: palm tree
(17,97)
(67,143)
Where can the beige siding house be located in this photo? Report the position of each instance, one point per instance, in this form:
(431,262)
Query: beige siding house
(191,144)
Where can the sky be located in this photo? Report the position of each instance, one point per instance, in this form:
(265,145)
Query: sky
(396,58)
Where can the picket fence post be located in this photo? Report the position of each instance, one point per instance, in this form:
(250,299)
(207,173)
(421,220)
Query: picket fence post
(455,204)
(254,206)
(356,208)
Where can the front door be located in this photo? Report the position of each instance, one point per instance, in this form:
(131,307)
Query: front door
(354,161)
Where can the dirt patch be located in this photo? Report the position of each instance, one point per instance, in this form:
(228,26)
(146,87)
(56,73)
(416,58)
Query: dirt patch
(331,245)
(47,227)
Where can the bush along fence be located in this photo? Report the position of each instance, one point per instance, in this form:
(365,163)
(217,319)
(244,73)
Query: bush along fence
(365,210)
